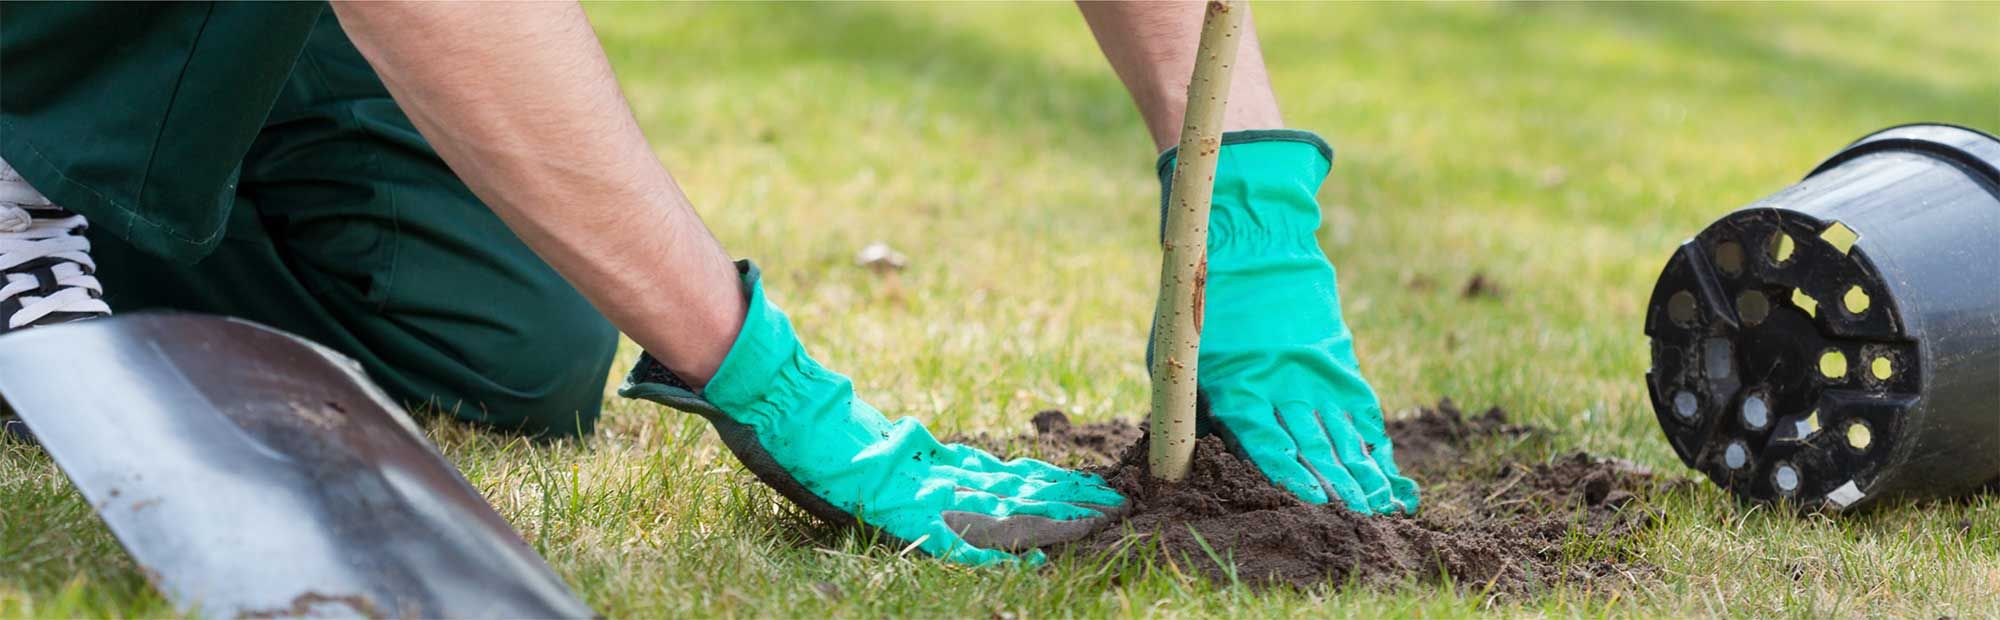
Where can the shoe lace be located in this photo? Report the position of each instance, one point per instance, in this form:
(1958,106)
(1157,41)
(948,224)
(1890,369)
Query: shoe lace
(25,239)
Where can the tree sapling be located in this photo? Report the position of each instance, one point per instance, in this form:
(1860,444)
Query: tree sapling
(1184,260)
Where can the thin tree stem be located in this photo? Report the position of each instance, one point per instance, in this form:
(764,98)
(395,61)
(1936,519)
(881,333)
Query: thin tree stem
(1184,261)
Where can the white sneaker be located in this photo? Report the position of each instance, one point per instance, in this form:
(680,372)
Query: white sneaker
(46,273)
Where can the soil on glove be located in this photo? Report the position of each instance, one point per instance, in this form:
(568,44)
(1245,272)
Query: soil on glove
(1489,524)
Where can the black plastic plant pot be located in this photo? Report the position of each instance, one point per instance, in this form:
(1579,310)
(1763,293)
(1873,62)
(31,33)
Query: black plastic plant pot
(1838,342)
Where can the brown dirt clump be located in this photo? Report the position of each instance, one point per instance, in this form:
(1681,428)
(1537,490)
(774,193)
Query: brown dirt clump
(1059,441)
(1435,440)
(1481,286)
(1488,524)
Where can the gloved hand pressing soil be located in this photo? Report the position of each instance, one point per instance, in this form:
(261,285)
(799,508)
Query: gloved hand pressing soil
(801,430)
(1277,367)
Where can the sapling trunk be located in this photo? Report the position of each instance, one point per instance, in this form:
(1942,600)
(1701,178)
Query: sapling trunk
(1184,261)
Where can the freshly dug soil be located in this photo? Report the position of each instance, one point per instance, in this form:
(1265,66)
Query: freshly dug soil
(1488,524)
(1058,441)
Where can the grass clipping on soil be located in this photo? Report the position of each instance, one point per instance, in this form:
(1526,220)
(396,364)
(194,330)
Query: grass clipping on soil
(1488,523)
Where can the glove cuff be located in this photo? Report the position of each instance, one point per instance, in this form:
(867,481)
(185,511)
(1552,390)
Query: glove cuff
(1164,166)
(1265,187)
(765,366)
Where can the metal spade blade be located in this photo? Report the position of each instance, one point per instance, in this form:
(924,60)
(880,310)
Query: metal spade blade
(254,474)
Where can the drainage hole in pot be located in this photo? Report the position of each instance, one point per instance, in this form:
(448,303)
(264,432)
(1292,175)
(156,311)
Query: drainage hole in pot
(1833,364)
(1785,477)
(1680,308)
(1686,405)
(1805,302)
(1756,412)
(1779,247)
(1882,368)
(1717,359)
(1729,257)
(1840,237)
(1736,455)
(1859,436)
(1856,300)
(1752,306)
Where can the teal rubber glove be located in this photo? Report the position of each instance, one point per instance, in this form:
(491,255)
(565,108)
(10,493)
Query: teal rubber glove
(1277,367)
(800,429)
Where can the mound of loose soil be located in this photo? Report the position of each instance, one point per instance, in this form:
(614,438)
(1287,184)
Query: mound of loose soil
(1488,524)
(1058,441)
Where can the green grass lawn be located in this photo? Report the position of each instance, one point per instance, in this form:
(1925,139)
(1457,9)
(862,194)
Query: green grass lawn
(1562,150)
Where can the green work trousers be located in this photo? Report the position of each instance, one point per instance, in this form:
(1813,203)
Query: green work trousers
(243,159)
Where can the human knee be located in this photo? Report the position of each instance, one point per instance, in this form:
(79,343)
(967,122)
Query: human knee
(545,381)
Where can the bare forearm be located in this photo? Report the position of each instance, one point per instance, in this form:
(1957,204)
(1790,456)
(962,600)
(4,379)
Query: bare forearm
(520,101)
(1151,45)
